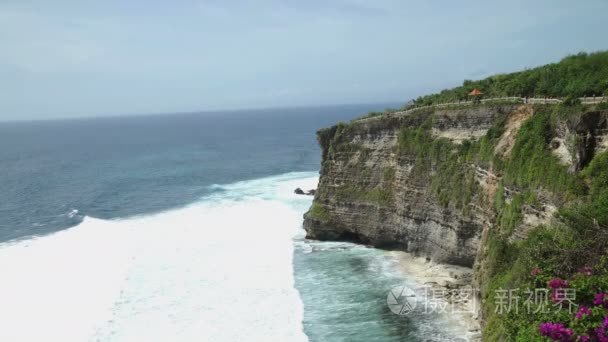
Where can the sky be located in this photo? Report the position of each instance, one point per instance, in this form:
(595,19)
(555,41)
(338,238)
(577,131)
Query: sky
(85,58)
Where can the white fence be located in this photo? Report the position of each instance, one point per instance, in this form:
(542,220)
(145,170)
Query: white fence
(594,99)
(515,99)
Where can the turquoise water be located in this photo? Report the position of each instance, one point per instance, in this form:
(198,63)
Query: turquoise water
(183,228)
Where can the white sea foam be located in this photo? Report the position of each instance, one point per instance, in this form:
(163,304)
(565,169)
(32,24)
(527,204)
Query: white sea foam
(219,270)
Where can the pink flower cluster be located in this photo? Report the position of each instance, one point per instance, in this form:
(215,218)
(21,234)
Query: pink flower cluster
(557,283)
(555,331)
(582,312)
(602,331)
(601,299)
(535,272)
(559,332)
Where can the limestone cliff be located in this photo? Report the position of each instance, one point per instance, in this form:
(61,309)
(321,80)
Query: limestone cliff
(426,182)
(370,192)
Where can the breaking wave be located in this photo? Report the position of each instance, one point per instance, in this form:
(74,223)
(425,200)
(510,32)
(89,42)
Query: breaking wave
(220,269)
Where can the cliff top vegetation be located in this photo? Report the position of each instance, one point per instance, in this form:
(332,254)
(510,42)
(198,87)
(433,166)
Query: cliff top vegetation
(583,74)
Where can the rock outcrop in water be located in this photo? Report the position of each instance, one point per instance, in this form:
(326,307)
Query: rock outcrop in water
(299,191)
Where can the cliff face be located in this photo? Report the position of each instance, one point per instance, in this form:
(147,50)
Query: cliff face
(416,182)
(370,190)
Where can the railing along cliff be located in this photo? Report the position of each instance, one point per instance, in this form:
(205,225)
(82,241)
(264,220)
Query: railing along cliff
(513,99)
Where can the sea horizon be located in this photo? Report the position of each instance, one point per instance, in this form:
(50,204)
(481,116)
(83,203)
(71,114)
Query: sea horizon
(377,105)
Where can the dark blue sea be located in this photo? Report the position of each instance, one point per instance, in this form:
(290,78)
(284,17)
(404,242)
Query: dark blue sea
(183,227)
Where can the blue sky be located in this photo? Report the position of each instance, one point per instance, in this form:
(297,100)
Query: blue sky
(91,58)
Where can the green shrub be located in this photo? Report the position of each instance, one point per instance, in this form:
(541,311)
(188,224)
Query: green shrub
(602,105)
(571,101)
(597,174)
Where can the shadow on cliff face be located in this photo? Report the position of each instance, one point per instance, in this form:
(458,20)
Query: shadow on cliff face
(591,127)
(387,243)
(352,237)
(392,245)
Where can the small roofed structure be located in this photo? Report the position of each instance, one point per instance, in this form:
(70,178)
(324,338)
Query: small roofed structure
(475,92)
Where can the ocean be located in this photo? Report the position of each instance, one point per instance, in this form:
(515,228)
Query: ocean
(184,227)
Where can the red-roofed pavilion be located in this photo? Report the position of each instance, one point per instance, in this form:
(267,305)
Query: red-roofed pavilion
(475,92)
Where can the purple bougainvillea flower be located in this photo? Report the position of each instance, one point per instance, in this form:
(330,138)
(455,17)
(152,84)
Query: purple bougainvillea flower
(553,295)
(557,295)
(584,338)
(582,312)
(601,299)
(555,331)
(557,283)
(602,330)
(601,334)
